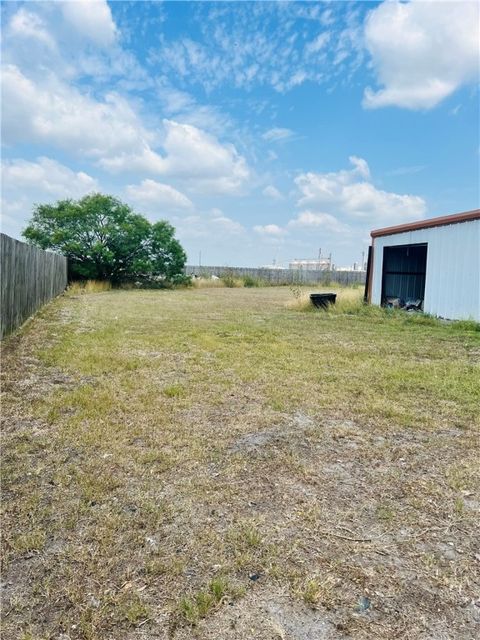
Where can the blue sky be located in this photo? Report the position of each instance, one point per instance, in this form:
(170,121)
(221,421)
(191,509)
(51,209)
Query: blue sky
(261,130)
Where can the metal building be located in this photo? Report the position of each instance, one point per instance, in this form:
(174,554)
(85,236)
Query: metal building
(433,265)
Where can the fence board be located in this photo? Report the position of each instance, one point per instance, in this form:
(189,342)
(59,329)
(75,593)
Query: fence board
(29,278)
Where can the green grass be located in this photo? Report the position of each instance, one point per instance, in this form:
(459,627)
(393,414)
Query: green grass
(163,447)
(200,605)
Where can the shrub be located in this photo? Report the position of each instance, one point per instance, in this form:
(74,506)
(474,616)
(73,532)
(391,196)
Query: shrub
(250,281)
(229,280)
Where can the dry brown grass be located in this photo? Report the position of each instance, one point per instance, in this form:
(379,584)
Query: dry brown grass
(88,286)
(210,464)
(207,283)
(349,300)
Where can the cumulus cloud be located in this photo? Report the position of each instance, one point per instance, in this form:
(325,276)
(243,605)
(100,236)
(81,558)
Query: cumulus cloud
(155,193)
(68,40)
(91,19)
(183,107)
(269,230)
(350,193)
(277,133)
(46,176)
(308,219)
(272,192)
(226,225)
(58,114)
(361,166)
(25,183)
(111,132)
(421,51)
(145,160)
(209,166)
(214,225)
(27,25)
(190,155)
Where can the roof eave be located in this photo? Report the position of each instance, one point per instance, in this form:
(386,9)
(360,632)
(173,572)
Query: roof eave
(426,224)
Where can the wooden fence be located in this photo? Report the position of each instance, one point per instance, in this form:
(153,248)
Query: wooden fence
(282,276)
(29,278)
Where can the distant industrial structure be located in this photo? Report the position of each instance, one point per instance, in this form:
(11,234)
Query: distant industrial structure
(357,266)
(325,264)
(318,264)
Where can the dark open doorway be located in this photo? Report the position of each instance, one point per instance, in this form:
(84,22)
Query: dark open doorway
(403,278)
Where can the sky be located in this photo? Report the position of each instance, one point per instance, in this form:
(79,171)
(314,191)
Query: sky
(263,131)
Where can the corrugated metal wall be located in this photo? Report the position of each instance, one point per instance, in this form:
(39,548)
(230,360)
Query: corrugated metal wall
(452,287)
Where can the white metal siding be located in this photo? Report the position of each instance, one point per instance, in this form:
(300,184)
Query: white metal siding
(452,287)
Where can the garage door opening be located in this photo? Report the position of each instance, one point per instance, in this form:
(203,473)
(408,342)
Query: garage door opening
(403,278)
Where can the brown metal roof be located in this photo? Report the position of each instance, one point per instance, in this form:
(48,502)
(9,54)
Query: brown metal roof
(429,222)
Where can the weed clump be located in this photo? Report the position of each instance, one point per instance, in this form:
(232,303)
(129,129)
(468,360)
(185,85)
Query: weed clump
(229,280)
(315,593)
(194,608)
(250,281)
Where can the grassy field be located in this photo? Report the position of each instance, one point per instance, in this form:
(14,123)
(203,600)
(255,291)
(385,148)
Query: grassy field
(219,464)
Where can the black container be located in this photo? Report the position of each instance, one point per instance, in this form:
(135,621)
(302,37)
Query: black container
(322,300)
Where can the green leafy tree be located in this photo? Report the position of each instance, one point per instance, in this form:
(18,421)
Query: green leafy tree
(104,239)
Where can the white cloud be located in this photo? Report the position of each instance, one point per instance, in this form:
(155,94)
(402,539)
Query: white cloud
(269,230)
(274,44)
(277,133)
(216,225)
(143,161)
(111,132)
(198,157)
(57,114)
(192,156)
(361,166)
(70,40)
(272,192)
(350,194)
(151,193)
(91,19)
(25,183)
(46,176)
(421,51)
(404,171)
(318,43)
(183,107)
(327,18)
(308,219)
(227,225)
(28,25)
